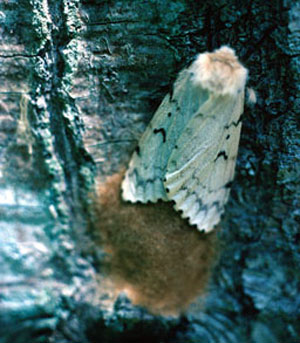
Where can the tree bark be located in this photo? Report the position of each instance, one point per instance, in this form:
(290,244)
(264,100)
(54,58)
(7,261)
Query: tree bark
(80,80)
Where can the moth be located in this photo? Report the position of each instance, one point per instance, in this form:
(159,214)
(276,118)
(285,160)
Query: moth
(188,152)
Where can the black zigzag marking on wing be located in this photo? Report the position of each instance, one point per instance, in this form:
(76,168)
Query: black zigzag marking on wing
(221,153)
(138,150)
(142,181)
(162,131)
(234,123)
(228,184)
(206,207)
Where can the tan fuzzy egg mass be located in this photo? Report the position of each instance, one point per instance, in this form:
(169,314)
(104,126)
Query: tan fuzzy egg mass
(153,255)
(220,72)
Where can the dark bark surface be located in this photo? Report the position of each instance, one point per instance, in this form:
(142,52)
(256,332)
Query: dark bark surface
(80,80)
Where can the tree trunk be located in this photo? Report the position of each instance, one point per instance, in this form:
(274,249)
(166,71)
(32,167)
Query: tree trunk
(80,80)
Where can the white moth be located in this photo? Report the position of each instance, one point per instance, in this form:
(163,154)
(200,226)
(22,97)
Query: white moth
(188,152)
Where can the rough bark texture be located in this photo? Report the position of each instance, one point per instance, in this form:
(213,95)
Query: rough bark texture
(79,82)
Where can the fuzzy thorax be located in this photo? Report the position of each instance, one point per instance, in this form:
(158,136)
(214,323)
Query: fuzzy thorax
(220,72)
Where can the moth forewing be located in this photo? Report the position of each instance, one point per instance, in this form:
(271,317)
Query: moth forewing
(144,178)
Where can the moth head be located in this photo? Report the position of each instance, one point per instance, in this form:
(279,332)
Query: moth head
(220,72)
